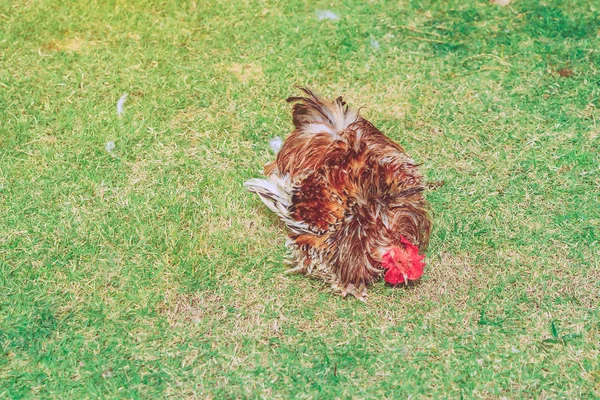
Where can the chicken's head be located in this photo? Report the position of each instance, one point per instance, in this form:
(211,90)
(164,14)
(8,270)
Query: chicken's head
(403,263)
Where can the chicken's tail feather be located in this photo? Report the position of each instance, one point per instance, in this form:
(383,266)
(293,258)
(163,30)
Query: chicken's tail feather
(311,113)
(275,192)
(272,192)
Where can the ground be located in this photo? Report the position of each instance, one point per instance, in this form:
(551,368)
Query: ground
(148,271)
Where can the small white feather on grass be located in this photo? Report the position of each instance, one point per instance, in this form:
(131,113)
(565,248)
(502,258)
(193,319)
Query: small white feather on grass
(276,143)
(327,14)
(110,148)
(374,43)
(121,104)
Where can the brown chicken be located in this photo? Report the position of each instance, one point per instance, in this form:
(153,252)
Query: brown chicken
(351,198)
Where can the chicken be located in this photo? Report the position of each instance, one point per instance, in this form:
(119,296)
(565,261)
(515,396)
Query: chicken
(351,198)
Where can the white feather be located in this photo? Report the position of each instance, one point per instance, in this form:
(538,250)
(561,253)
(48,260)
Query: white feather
(374,43)
(121,104)
(110,146)
(276,143)
(327,14)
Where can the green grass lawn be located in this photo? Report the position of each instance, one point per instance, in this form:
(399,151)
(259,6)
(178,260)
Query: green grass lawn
(149,271)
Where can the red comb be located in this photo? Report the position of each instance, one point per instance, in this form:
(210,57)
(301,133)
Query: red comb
(393,274)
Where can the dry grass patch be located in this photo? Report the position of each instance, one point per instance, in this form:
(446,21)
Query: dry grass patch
(73,45)
(246,73)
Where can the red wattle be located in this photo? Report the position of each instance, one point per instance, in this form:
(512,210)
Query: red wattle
(410,259)
(393,276)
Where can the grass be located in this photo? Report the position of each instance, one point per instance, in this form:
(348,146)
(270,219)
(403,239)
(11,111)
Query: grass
(150,272)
